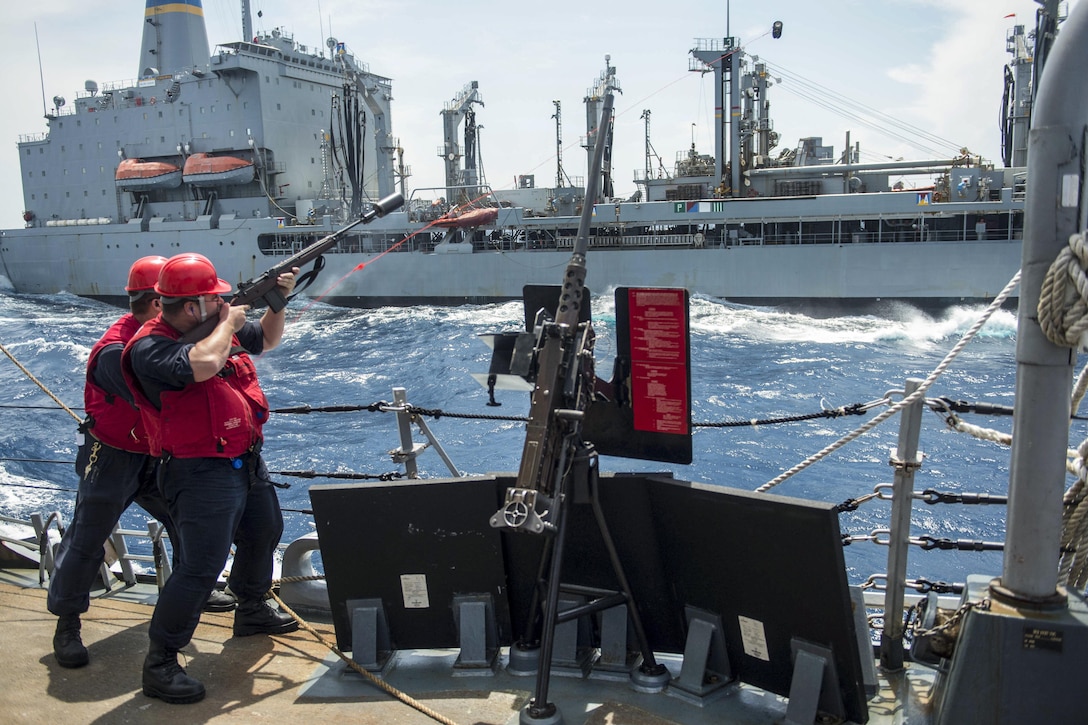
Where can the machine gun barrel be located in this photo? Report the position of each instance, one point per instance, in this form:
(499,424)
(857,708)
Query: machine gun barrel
(265,288)
(564,379)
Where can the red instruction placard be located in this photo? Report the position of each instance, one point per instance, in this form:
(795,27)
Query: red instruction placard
(659,388)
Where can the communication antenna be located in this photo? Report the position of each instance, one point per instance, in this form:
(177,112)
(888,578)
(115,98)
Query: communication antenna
(41,75)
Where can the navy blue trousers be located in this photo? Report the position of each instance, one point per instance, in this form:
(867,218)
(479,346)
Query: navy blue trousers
(106,489)
(213,505)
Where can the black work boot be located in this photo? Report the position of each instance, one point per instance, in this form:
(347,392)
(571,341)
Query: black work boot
(67,646)
(257,617)
(165,679)
(220,602)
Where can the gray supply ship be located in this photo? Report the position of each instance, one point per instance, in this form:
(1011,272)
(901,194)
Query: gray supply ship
(265,145)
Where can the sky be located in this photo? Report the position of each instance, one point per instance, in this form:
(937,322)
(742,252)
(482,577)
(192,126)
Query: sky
(935,66)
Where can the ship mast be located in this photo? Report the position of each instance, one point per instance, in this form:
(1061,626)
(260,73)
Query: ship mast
(597,133)
(559,172)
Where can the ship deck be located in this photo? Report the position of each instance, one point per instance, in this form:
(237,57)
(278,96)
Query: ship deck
(296,678)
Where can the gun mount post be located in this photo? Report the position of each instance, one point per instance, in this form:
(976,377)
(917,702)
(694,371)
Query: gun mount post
(556,461)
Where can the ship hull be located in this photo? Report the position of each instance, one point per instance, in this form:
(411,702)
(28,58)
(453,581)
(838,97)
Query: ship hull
(93,261)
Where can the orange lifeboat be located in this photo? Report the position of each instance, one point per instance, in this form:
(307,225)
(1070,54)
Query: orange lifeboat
(207,170)
(138,175)
(469,218)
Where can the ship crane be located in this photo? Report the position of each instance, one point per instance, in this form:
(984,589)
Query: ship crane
(365,102)
(594,107)
(1029,52)
(461,184)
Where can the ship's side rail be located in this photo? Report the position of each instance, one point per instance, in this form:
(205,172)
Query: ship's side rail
(552,235)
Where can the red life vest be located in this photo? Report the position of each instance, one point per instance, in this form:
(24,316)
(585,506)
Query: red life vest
(220,417)
(114,421)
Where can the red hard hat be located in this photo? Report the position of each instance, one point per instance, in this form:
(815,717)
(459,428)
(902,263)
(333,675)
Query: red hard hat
(190,275)
(144,274)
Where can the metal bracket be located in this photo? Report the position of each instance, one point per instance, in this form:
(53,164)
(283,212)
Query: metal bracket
(370,638)
(477,632)
(706,662)
(519,511)
(815,683)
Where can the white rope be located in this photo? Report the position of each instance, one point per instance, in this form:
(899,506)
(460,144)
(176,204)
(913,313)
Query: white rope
(1063,318)
(983,434)
(1079,388)
(908,400)
(1063,299)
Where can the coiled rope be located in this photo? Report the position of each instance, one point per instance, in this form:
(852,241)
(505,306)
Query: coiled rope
(908,400)
(1063,298)
(1063,318)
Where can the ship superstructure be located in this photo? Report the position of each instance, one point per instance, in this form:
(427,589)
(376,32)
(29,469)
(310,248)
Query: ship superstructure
(267,102)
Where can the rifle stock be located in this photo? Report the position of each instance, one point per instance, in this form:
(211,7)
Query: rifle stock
(265,288)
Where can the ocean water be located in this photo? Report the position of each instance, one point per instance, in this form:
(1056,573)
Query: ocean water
(747,363)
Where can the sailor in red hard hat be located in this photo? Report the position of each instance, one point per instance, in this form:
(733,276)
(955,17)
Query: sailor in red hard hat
(114,468)
(204,412)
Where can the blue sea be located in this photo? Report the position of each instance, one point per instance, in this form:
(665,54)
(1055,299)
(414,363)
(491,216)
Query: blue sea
(747,363)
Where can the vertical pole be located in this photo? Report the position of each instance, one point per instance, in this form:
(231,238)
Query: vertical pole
(1055,209)
(404,426)
(539,708)
(906,460)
